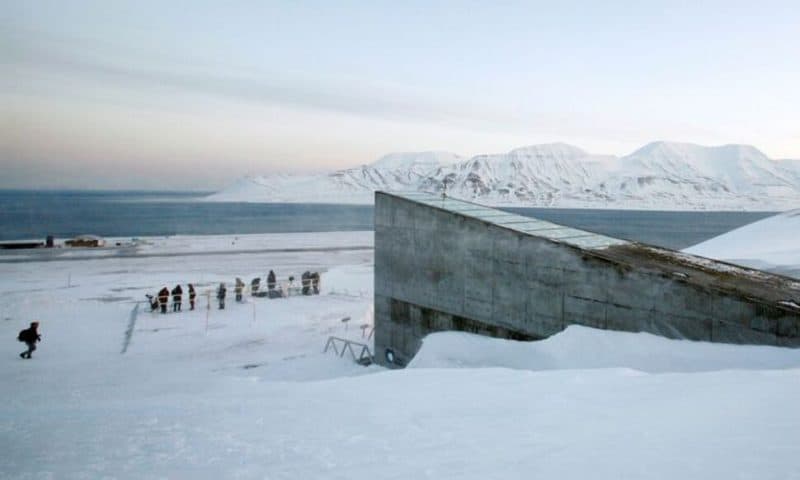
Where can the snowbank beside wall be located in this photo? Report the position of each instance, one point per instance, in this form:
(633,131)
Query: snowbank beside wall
(579,347)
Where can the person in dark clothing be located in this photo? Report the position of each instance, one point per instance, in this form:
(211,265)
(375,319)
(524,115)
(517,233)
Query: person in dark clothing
(221,290)
(163,299)
(271,280)
(315,283)
(238,289)
(177,295)
(192,296)
(305,281)
(30,336)
(255,285)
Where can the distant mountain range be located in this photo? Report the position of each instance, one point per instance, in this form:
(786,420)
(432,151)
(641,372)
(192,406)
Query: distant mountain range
(660,175)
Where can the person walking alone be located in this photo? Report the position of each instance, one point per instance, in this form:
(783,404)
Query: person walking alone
(30,336)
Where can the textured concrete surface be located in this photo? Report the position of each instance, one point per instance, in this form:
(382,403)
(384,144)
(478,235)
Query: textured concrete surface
(444,264)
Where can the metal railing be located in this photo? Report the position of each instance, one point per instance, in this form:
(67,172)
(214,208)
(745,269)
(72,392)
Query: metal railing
(342,345)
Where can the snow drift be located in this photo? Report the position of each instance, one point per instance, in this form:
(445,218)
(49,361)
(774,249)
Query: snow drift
(579,347)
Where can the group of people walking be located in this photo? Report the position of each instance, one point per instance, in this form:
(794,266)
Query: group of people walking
(310,283)
(309,280)
(272,283)
(161,301)
(309,286)
(255,289)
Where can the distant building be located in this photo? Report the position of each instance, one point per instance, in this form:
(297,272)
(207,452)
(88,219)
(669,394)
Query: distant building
(20,245)
(86,241)
(445,264)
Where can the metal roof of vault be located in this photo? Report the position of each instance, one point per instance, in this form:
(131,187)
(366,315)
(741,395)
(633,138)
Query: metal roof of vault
(528,225)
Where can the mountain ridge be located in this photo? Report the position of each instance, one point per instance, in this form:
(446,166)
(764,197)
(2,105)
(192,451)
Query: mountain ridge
(659,175)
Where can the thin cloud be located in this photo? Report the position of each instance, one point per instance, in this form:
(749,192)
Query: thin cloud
(64,57)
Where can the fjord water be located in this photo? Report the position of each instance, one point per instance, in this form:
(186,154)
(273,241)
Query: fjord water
(35,214)
(26,215)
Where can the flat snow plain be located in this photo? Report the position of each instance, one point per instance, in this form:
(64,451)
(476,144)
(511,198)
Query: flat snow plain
(250,394)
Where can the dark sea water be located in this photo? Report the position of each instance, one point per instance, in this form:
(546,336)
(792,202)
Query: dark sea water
(676,230)
(35,214)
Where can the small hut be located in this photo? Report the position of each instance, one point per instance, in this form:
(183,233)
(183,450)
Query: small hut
(86,241)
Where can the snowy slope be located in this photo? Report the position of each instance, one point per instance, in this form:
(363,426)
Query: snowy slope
(770,244)
(397,171)
(422,162)
(538,174)
(660,175)
(700,175)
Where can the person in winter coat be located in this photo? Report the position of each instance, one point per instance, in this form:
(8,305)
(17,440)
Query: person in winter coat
(305,281)
(221,290)
(238,289)
(177,295)
(255,285)
(271,280)
(192,296)
(163,298)
(30,336)
(315,283)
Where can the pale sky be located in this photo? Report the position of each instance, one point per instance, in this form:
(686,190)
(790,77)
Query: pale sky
(192,95)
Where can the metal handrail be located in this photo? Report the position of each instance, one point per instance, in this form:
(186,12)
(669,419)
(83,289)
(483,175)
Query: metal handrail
(364,356)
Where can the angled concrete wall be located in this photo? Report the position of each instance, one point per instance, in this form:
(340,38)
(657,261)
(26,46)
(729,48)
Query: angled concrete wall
(441,269)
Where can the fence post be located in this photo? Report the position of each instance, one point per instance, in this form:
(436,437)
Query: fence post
(208,309)
(129,330)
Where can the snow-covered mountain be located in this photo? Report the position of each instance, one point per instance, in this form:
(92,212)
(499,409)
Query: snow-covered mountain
(660,175)
(422,162)
(534,175)
(704,176)
(395,171)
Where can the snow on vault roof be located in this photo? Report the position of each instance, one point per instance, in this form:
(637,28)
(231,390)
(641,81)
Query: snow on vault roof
(531,226)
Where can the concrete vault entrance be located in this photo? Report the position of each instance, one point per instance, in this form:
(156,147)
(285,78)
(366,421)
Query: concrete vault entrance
(445,264)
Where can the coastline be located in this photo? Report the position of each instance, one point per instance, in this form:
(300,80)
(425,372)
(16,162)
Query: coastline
(192,245)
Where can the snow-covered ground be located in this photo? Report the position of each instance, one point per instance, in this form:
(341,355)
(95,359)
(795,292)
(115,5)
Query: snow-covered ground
(771,244)
(247,392)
